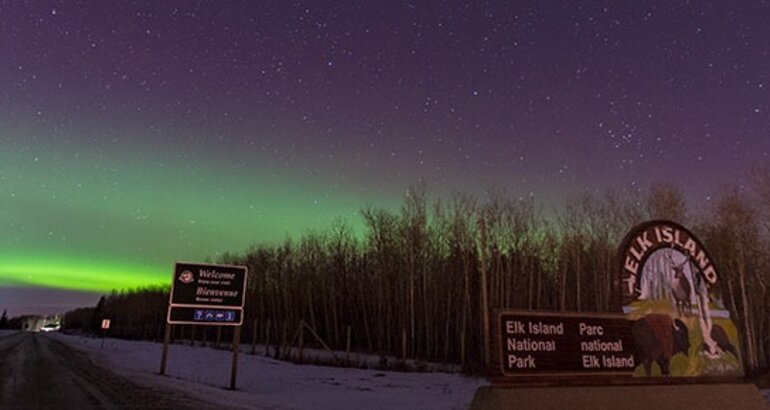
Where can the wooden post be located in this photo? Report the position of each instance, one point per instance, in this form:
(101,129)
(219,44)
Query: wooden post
(446,340)
(164,355)
(347,347)
(267,338)
(484,297)
(192,335)
(219,336)
(321,341)
(403,343)
(236,346)
(254,337)
(300,342)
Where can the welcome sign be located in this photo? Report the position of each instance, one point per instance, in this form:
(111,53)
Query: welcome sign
(207,294)
(671,321)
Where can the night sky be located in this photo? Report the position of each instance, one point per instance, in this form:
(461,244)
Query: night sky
(135,134)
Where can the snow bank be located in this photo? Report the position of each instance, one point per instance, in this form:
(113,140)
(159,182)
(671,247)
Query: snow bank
(267,383)
(4,332)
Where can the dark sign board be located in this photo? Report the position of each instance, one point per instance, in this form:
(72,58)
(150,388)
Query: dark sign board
(553,344)
(207,294)
(211,285)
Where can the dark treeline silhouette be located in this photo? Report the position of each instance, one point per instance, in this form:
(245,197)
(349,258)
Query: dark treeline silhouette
(411,285)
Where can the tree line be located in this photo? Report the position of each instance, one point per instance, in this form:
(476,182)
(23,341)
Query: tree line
(411,285)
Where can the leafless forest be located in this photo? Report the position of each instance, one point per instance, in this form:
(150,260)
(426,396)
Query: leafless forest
(411,286)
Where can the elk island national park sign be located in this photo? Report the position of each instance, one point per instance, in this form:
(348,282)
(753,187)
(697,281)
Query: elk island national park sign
(669,344)
(670,323)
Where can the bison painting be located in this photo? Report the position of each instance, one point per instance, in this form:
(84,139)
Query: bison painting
(658,339)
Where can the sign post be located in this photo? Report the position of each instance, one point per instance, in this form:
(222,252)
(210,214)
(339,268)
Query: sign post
(105,326)
(164,354)
(205,294)
(236,347)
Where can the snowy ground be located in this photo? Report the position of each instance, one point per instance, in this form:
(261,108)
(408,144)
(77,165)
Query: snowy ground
(267,383)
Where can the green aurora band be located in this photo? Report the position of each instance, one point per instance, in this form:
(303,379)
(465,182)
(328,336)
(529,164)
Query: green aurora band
(76,275)
(96,219)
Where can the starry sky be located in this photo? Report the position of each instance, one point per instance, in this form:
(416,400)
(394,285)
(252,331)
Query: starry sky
(137,133)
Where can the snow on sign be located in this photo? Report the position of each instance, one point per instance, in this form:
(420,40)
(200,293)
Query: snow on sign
(207,294)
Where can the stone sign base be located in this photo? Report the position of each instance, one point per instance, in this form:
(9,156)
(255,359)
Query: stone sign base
(643,397)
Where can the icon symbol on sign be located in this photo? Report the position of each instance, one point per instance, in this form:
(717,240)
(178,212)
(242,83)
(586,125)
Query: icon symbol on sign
(229,316)
(209,316)
(198,315)
(186,277)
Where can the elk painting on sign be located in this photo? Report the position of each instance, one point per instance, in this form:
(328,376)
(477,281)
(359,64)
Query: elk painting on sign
(680,287)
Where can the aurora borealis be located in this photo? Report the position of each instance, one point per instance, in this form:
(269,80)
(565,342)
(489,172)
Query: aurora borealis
(109,223)
(135,134)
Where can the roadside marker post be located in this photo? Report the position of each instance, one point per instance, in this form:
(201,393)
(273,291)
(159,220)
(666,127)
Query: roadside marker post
(105,326)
